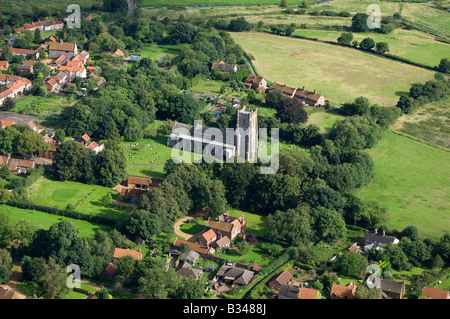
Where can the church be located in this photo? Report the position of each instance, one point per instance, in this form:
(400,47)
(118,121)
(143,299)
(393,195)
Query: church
(223,145)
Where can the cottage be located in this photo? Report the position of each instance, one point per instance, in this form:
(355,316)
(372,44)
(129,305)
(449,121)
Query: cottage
(343,292)
(310,98)
(33,54)
(234,275)
(288,291)
(308,293)
(119,253)
(56,49)
(187,270)
(190,257)
(20,166)
(392,289)
(4,65)
(255,82)
(224,67)
(433,293)
(201,249)
(285,278)
(376,239)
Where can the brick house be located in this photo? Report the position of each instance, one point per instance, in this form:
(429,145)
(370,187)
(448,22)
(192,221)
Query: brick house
(255,82)
(285,278)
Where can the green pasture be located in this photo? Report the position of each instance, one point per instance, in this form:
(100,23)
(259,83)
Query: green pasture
(45,220)
(340,74)
(85,198)
(411,181)
(409,44)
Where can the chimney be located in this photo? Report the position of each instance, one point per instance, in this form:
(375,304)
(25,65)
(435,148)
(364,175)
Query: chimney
(384,233)
(304,88)
(61,41)
(315,91)
(376,231)
(140,253)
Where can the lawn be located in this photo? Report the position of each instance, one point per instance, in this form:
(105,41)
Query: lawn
(410,44)
(340,74)
(411,180)
(45,220)
(154,51)
(45,106)
(160,3)
(324,119)
(255,222)
(85,198)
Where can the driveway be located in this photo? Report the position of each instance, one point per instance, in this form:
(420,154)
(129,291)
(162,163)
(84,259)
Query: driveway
(178,225)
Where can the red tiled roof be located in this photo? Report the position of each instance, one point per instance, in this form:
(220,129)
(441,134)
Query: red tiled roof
(307,293)
(343,292)
(209,235)
(4,65)
(65,46)
(119,252)
(434,293)
(139,180)
(193,246)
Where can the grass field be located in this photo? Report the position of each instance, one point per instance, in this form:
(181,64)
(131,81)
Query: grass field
(430,124)
(323,119)
(154,51)
(339,74)
(85,198)
(411,180)
(45,220)
(160,3)
(409,44)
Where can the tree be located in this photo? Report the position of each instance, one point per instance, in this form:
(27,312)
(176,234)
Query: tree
(143,224)
(346,38)
(367,44)
(397,257)
(114,5)
(8,103)
(54,281)
(157,282)
(106,200)
(273,98)
(239,25)
(407,104)
(182,33)
(110,167)
(382,47)
(364,292)
(5,266)
(351,264)
(33,269)
(291,111)
(359,22)
(60,135)
(411,232)
(283,3)
(331,225)
(444,65)
(37,36)
(190,288)
(68,161)
(5,230)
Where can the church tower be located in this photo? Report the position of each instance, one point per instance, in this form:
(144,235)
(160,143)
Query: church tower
(247,135)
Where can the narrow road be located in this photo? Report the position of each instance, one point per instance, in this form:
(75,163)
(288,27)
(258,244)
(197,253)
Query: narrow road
(250,64)
(131,8)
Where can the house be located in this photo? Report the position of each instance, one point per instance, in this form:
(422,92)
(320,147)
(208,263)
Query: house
(52,84)
(308,293)
(62,59)
(343,292)
(56,49)
(119,253)
(234,275)
(207,237)
(33,54)
(255,82)
(139,182)
(433,293)
(375,239)
(392,289)
(190,257)
(228,226)
(286,90)
(15,85)
(22,68)
(84,139)
(51,148)
(285,278)
(201,249)
(9,294)
(310,98)
(223,242)
(117,53)
(224,67)
(41,25)
(187,270)
(74,68)
(84,55)
(288,291)
(20,166)
(4,65)
(95,147)
(109,272)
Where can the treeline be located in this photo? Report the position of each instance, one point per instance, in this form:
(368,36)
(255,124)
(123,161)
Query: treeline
(420,94)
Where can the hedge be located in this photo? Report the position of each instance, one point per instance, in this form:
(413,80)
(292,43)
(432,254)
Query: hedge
(82,290)
(261,283)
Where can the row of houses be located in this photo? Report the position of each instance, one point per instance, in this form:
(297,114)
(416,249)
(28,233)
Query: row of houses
(41,25)
(13,86)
